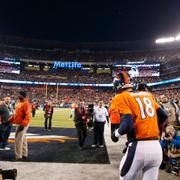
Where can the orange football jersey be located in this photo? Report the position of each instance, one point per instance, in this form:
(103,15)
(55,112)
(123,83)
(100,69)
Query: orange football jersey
(114,116)
(142,107)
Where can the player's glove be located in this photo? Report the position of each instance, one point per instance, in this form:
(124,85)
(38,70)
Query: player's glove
(115,136)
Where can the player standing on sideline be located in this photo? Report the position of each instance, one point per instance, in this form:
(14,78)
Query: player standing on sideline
(21,118)
(140,116)
(48,109)
(6,111)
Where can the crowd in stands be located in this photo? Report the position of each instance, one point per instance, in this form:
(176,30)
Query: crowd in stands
(72,76)
(68,95)
(62,76)
(171,94)
(63,96)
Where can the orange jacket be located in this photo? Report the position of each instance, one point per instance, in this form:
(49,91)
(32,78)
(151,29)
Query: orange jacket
(22,114)
(114,116)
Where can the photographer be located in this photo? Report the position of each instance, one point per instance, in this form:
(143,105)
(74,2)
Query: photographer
(80,120)
(90,116)
(169,141)
(171,138)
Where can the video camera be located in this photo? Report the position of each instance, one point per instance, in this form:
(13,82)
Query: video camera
(167,135)
(90,124)
(90,108)
(9,174)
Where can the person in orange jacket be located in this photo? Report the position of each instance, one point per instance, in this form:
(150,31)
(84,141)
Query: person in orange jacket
(21,118)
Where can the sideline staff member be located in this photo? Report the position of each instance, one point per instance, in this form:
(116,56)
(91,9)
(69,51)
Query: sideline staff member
(80,120)
(100,116)
(21,118)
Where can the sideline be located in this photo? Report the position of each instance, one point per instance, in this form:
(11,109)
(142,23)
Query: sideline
(69,171)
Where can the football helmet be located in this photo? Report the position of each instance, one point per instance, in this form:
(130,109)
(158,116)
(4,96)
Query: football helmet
(122,81)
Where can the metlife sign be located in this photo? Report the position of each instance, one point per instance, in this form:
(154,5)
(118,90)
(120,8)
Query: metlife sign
(70,65)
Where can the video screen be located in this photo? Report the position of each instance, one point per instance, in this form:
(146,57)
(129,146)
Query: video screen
(9,65)
(138,70)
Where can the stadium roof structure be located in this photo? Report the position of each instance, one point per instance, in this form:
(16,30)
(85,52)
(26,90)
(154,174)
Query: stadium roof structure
(33,49)
(139,45)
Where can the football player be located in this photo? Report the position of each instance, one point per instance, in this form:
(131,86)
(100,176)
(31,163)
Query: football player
(141,118)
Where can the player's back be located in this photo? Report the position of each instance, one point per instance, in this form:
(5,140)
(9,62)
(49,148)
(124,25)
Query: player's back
(142,107)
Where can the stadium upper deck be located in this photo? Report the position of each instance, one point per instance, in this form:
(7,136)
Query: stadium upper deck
(43,52)
(88,52)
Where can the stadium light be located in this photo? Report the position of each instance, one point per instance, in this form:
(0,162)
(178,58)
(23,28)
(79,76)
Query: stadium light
(165,40)
(178,37)
(168,39)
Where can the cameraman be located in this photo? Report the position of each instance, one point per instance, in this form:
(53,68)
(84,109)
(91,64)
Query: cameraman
(170,137)
(90,116)
(80,120)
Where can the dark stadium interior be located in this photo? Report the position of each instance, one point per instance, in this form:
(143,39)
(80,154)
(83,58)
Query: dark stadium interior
(90,21)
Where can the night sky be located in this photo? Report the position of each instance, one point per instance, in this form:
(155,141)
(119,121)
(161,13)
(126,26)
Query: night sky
(90,20)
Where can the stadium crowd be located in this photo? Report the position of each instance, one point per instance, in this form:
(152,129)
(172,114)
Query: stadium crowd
(68,95)
(72,76)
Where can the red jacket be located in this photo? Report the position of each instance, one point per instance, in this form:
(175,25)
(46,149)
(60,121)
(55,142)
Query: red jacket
(33,106)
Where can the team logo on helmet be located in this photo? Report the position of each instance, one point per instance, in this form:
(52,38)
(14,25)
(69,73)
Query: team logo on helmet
(122,81)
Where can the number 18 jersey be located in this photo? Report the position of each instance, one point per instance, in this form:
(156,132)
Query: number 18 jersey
(142,106)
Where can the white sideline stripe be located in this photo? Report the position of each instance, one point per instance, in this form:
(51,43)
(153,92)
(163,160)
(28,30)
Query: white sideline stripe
(35,136)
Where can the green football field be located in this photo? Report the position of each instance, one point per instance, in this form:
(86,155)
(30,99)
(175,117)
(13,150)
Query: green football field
(60,118)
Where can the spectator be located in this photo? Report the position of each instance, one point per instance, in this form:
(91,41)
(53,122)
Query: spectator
(169,108)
